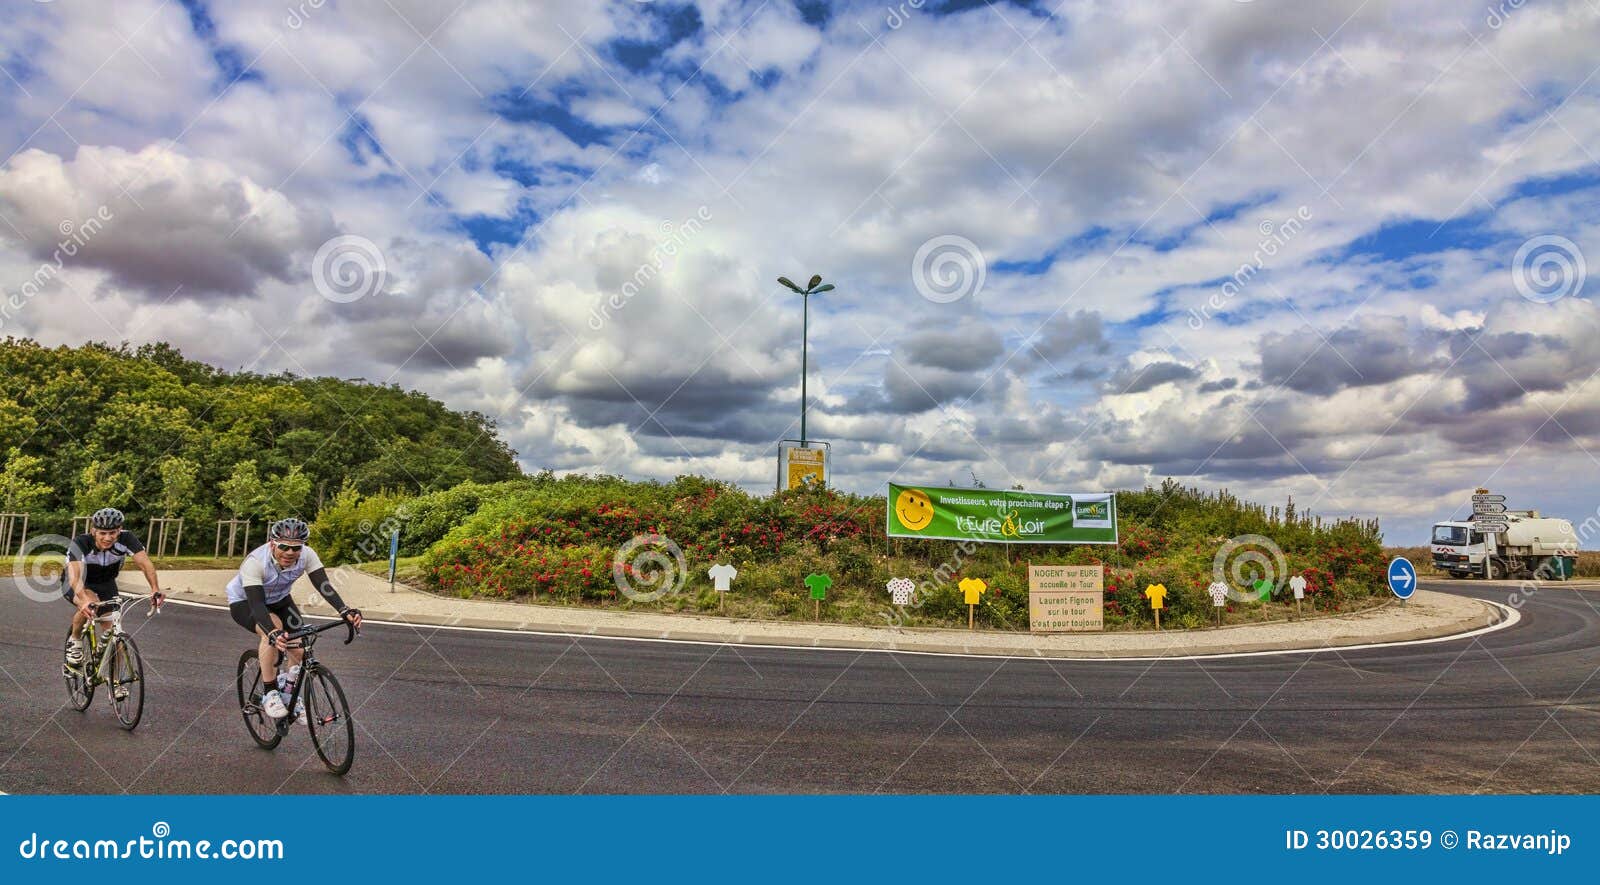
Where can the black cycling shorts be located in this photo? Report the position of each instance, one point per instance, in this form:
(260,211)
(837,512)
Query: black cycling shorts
(106,592)
(284,608)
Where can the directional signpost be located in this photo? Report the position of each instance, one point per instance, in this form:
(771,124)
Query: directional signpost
(1402,577)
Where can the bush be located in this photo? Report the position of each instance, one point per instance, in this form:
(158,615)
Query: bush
(535,538)
(353,528)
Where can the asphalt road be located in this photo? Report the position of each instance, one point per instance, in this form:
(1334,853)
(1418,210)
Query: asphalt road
(448,711)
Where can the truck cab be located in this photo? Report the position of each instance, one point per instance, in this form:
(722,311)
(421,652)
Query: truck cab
(1459,549)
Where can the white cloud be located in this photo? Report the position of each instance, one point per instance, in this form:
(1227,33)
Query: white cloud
(1128,157)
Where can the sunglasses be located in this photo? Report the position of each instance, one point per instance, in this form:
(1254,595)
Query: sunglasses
(288,548)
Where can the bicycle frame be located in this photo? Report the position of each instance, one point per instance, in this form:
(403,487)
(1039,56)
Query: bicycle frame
(305,639)
(98,648)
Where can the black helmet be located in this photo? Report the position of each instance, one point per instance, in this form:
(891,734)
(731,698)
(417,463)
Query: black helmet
(107,518)
(290,529)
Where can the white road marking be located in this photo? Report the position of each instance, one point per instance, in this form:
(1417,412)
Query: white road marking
(1512,617)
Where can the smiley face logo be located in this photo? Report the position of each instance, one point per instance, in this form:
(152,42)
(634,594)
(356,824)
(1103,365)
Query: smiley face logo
(914,509)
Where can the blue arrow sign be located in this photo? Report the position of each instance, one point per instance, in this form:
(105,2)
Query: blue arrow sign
(1402,577)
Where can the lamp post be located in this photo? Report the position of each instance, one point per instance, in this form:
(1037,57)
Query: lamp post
(814,287)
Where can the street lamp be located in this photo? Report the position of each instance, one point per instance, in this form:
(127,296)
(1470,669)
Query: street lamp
(814,287)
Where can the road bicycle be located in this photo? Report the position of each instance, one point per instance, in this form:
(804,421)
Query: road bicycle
(110,657)
(333,731)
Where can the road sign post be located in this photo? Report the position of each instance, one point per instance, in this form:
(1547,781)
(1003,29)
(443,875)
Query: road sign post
(1157,594)
(394,556)
(1402,578)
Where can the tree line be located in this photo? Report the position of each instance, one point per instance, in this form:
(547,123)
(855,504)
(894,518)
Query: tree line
(155,434)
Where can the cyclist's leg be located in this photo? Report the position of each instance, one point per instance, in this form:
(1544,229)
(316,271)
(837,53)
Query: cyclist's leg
(78,620)
(104,593)
(289,613)
(266,652)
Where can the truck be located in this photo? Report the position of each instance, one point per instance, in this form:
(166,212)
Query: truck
(1530,545)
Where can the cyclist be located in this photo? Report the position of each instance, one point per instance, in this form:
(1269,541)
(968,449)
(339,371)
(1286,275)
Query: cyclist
(94,560)
(259,601)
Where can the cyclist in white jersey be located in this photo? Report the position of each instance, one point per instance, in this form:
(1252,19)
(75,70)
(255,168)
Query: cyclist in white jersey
(259,601)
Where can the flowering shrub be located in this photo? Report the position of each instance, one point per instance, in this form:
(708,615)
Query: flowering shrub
(555,538)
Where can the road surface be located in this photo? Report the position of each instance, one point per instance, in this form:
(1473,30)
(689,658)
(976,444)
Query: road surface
(450,711)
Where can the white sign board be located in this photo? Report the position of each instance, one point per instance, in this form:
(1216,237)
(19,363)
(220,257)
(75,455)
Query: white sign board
(1298,585)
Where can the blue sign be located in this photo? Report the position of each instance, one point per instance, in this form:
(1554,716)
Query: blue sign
(1402,577)
(394,552)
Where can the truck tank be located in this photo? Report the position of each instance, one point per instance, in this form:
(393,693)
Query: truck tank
(1541,536)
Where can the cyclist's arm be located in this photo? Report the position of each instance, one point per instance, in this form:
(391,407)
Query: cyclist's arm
(142,560)
(80,593)
(319,580)
(256,596)
(254,579)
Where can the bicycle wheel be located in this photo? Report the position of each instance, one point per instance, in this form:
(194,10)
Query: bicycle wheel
(262,728)
(80,688)
(127,672)
(333,732)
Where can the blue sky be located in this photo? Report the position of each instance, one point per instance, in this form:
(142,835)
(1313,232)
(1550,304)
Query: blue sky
(1333,251)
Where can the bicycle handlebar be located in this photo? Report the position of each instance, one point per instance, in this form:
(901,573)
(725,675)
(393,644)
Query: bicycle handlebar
(304,632)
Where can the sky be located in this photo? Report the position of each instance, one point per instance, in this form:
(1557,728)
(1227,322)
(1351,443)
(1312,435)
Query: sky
(1330,250)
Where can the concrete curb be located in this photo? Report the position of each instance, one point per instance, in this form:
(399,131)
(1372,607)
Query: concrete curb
(1486,616)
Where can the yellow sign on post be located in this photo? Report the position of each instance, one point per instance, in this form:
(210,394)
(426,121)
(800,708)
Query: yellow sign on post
(800,466)
(1157,594)
(972,589)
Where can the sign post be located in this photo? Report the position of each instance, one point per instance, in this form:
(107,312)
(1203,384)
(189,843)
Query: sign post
(802,464)
(394,556)
(1402,578)
(1066,598)
(1298,585)
(721,575)
(1157,594)
(1219,598)
(819,585)
(972,590)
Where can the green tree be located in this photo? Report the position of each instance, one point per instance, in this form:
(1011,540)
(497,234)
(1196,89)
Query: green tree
(242,491)
(19,490)
(180,486)
(16,425)
(101,485)
(287,495)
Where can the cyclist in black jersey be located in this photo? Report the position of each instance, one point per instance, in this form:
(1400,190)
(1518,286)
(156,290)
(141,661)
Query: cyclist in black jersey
(93,561)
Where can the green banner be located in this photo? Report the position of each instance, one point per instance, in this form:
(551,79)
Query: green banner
(1002,517)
